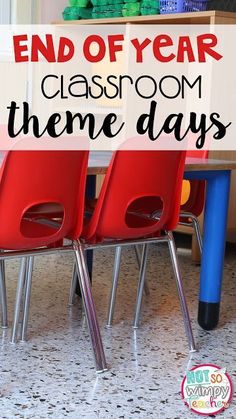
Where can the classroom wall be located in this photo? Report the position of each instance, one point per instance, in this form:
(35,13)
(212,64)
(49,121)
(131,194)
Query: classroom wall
(52,10)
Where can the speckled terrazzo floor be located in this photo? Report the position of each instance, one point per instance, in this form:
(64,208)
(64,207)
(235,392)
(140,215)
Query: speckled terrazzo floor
(53,376)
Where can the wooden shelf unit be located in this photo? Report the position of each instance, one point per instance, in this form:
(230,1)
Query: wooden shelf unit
(190,18)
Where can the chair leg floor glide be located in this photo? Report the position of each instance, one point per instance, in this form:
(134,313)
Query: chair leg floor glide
(89,307)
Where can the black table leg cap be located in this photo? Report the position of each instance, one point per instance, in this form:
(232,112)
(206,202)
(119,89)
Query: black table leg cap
(208,315)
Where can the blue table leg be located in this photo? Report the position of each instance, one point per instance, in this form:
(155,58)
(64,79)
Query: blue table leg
(215,224)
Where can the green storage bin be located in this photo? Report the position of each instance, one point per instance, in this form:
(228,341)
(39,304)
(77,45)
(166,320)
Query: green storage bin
(71,13)
(115,13)
(106,2)
(85,12)
(150,7)
(99,2)
(108,9)
(153,4)
(79,3)
(146,11)
(106,14)
(131,9)
(131,1)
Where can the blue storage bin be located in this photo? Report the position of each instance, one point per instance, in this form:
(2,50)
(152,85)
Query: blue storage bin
(195,5)
(171,6)
(178,6)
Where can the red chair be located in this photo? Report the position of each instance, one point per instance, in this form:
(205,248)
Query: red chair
(136,185)
(189,211)
(188,216)
(30,179)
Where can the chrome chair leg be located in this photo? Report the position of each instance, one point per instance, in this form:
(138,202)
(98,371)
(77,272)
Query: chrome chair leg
(141,283)
(195,225)
(115,279)
(89,307)
(73,285)
(19,292)
(197,230)
(179,283)
(28,286)
(139,257)
(3,295)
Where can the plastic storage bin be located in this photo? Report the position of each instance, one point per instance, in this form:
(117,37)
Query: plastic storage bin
(171,6)
(131,9)
(178,6)
(195,5)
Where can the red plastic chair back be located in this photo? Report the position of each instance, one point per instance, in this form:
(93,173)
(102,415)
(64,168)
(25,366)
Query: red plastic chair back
(34,178)
(136,181)
(196,199)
